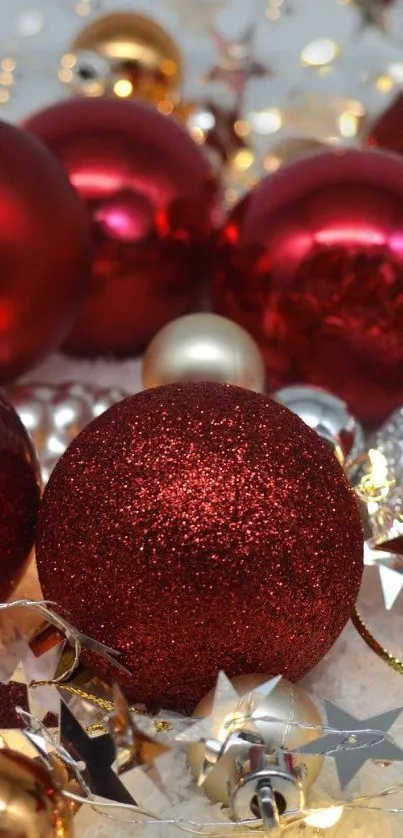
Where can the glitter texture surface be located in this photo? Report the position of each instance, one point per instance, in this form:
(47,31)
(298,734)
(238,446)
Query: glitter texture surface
(11,696)
(311,264)
(19,497)
(201,527)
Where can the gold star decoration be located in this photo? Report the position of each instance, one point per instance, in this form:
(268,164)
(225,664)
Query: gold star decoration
(134,747)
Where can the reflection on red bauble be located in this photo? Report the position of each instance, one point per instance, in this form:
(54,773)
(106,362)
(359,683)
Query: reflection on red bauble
(311,264)
(154,207)
(44,252)
(19,497)
(200,527)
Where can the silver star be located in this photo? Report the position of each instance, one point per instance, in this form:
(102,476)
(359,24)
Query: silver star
(390,577)
(355,741)
(198,15)
(230,713)
(41,700)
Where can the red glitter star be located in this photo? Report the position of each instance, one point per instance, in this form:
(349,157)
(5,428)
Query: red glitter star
(236,64)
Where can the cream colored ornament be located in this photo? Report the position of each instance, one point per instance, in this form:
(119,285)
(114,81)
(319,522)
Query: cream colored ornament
(292,711)
(204,347)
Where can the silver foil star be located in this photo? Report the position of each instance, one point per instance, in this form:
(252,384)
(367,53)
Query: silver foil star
(354,741)
(377,478)
(196,15)
(390,574)
(230,713)
(236,64)
(372,13)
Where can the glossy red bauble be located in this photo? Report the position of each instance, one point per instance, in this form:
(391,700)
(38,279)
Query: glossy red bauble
(196,528)
(44,252)
(19,497)
(311,264)
(154,207)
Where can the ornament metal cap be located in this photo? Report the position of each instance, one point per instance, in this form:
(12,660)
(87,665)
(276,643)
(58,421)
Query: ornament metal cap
(328,415)
(263,789)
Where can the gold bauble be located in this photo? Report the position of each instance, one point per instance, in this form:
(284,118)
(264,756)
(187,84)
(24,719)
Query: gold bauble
(31,805)
(289,149)
(143,59)
(204,347)
(288,703)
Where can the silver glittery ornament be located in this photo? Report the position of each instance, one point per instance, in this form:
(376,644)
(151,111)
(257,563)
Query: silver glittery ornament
(328,415)
(55,414)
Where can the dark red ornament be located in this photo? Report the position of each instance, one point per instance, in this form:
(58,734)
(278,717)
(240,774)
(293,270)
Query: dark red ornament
(154,207)
(19,497)
(387,131)
(201,527)
(311,264)
(44,252)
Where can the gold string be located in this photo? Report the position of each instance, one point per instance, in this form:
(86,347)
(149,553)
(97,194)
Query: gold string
(104,703)
(373,643)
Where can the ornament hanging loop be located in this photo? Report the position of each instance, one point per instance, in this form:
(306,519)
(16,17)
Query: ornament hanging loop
(263,790)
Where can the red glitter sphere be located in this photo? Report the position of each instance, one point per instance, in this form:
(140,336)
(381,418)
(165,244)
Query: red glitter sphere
(44,252)
(311,264)
(198,528)
(19,497)
(154,206)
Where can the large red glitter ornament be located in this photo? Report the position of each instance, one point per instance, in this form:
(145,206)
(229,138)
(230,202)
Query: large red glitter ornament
(311,264)
(44,252)
(19,497)
(154,207)
(201,527)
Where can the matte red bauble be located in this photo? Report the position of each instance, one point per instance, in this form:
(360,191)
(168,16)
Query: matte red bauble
(201,527)
(19,497)
(311,264)
(44,252)
(154,207)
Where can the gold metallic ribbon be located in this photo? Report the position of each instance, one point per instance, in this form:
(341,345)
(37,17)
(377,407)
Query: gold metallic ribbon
(103,703)
(373,644)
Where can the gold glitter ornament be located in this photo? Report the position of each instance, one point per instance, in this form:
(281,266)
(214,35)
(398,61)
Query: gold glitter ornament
(31,804)
(296,719)
(142,59)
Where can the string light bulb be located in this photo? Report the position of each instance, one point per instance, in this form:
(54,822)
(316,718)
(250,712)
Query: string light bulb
(324,818)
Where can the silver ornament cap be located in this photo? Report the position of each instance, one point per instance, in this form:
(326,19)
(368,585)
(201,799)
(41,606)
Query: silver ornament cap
(328,415)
